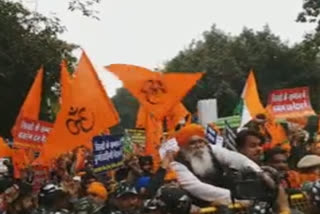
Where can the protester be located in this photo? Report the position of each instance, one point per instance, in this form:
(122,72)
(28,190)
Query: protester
(126,200)
(169,200)
(142,185)
(258,125)
(196,176)
(315,147)
(52,200)
(199,166)
(277,158)
(309,167)
(95,202)
(314,194)
(249,143)
(146,165)
(24,203)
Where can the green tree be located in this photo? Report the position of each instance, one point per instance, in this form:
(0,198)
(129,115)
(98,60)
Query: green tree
(27,41)
(228,59)
(86,7)
(310,12)
(127,107)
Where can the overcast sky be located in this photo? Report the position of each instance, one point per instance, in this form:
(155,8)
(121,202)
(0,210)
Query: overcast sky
(150,32)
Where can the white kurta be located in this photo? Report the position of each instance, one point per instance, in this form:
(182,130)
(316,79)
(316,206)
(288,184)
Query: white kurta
(207,192)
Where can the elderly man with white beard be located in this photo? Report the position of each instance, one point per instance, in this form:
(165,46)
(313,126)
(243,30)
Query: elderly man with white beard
(198,165)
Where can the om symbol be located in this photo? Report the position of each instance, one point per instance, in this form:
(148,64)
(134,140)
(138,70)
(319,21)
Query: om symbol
(154,91)
(79,121)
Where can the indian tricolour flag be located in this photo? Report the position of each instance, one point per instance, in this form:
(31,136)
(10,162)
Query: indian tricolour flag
(251,105)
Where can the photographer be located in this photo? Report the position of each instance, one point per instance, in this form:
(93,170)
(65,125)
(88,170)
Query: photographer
(199,166)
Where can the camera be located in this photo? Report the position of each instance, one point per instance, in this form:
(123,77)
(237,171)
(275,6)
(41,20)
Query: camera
(249,185)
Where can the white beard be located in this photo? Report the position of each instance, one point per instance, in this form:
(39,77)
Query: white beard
(201,163)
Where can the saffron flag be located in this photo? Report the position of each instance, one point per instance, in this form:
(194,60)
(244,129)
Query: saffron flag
(153,126)
(20,161)
(65,82)
(157,92)
(177,115)
(278,135)
(251,101)
(153,137)
(5,150)
(31,106)
(80,159)
(85,112)
(141,121)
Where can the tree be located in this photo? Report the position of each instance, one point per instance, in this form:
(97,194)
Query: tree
(228,59)
(127,107)
(27,41)
(85,7)
(310,13)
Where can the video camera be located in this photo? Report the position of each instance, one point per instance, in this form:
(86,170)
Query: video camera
(249,185)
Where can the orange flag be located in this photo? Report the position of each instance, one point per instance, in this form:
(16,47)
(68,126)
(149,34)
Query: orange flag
(278,135)
(251,101)
(153,137)
(31,105)
(20,161)
(141,122)
(157,92)
(5,150)
(175,115)
(65,81)
(86,112)
(251,96)
(80,159)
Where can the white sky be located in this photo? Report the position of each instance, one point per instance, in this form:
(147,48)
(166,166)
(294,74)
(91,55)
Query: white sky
(150,32)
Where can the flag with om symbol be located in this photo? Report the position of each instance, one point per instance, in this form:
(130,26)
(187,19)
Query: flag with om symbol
(86,111)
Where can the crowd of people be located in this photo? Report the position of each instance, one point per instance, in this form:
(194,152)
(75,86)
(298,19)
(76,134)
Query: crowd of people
(199,175)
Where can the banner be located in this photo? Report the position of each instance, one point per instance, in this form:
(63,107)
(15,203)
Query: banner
(134,141)
(290,103)
(213,136)
(31,133)
(107,152)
